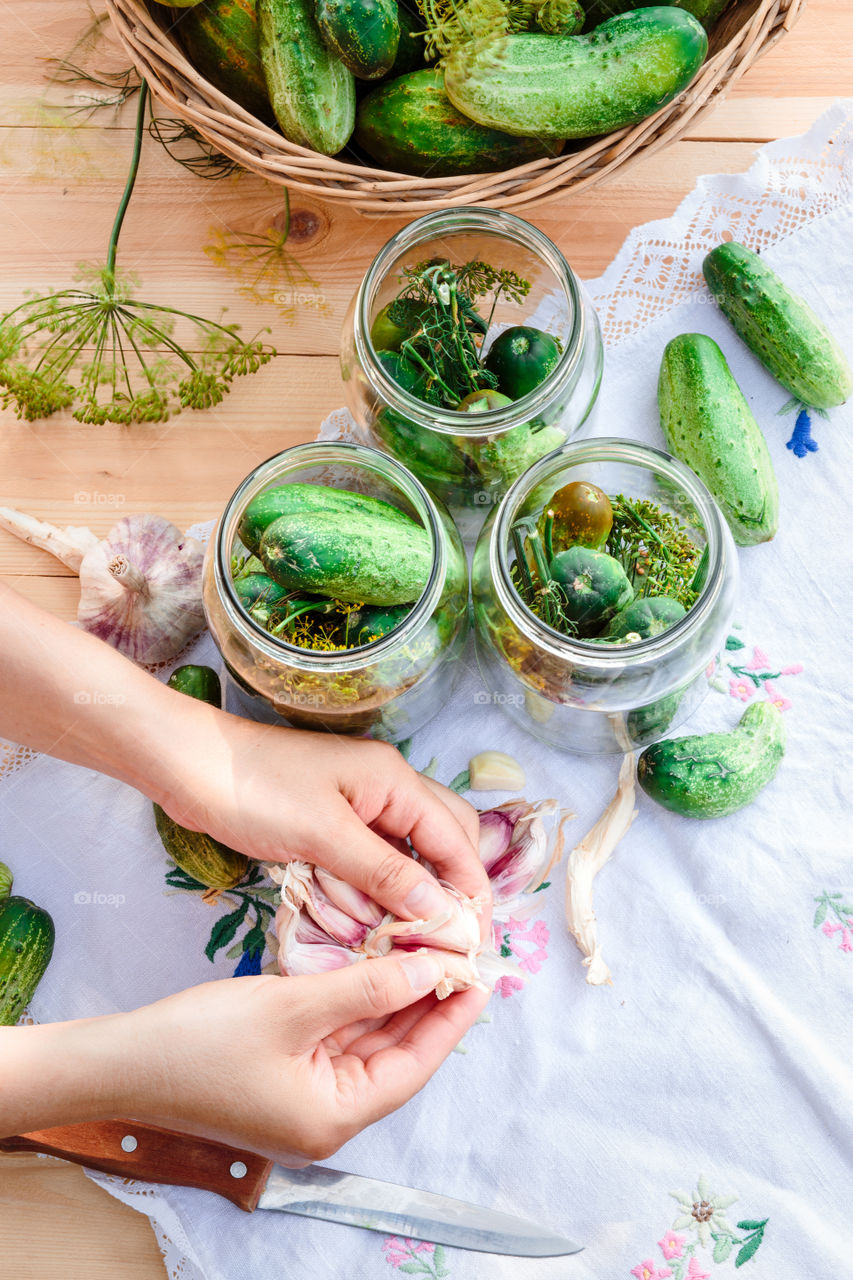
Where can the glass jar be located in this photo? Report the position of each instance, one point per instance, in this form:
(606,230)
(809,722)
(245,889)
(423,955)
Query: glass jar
(575,694)
(468,460)
(387,689)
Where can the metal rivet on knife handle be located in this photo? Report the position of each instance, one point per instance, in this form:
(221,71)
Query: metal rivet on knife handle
(129,1143)
(238,1169)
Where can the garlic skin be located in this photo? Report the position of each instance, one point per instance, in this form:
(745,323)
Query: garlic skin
(495,771)
(140,589)
(305,948)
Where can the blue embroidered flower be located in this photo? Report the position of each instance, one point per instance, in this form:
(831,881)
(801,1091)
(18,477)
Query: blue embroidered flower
(802,441)
(249,963)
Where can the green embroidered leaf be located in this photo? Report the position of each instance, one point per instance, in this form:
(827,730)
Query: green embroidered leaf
(237,950)
(844,908)
(225,928)
(722,1247)
(255,941)
(749,1225)
(413,1268)
(438,1256)
(820,914)
(734,643)
(746,1251)
(546,884)
(180,879)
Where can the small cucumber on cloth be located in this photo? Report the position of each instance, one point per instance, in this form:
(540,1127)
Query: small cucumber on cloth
(714,774)
(778,326)
(708,424)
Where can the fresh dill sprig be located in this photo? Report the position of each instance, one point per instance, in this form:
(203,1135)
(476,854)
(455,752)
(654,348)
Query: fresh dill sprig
(110,356)
(655,550)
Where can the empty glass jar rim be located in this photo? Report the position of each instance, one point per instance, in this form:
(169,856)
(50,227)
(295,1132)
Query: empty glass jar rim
(606,449)
(495,222)
(318,453)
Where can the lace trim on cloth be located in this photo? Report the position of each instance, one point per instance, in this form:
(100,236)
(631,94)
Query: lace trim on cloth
(791,183)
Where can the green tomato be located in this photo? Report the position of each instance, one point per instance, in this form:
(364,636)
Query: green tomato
(582,515)
(594,585)
(521,358)
(484,401)
(388,334)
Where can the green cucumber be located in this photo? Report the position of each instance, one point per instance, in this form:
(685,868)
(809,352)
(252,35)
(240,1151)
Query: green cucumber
(411,49)
(5,882)
(368,560)
(707,11)
(778,326)
(290,499)
(521,358)
(222,42)
(708,424)
(409,125)
(646,617)
(197,682)
(714,774)
(376,622)
(311,91)
(556,17)
(594,585)
(26,945)
(363,33)
(212,863)
(646,723)
(503,457)
(578,86)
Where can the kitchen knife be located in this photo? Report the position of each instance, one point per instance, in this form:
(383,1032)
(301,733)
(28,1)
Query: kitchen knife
(250,1181)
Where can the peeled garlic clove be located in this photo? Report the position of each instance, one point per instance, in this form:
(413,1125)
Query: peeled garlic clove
(495,771)
(140,589)
(456,929)
(351,900)
(495,836)
(305,948)
(336,922)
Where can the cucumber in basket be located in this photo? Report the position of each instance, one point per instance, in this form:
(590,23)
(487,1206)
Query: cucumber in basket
(363,33)
(311,91)
(411,126)
(778,326)
(222,42)
(708,424)
(578,86)
(707,11)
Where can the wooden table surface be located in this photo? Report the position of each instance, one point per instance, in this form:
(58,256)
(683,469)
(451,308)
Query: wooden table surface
(60,178)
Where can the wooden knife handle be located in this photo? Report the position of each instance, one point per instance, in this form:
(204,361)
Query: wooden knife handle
(135,1150)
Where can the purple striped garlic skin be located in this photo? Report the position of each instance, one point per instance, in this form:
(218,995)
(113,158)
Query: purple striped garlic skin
(305,948)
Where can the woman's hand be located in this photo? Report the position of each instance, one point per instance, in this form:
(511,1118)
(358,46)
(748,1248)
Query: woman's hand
(288,1067)
(277,794)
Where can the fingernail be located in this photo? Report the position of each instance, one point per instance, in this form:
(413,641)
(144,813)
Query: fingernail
(423,971)
(426,899)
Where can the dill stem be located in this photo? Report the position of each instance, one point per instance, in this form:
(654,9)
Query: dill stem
(128,186)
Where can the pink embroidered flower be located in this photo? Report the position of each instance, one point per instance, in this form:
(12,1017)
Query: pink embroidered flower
(671,1245)
(648,1271)
(398,1251)
(793,670)
(846,945)
(740,688)
(506,985)
(782,704)
(711,668)
(695,1272)
(759,660)
(829,928)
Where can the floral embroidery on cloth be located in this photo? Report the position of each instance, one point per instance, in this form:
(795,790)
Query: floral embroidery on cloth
(700,1237)
(744,679)
(252,903)
(527,942)
(415,1257)
(833,905)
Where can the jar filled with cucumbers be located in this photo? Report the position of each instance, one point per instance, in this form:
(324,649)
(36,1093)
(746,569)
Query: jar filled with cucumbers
(469,351)
(603,588)
(336,590)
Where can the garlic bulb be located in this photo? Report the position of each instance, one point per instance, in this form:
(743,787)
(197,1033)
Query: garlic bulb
(140,587)
(323,923)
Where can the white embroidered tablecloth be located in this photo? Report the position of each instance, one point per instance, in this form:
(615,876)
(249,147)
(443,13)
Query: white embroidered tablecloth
(695,1117)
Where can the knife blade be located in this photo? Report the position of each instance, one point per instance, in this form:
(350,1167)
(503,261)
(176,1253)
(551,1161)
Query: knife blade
(152,1154)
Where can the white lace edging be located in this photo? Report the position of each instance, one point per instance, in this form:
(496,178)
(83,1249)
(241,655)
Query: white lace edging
(790,183)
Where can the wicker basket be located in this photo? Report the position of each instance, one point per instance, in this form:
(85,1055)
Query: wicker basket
(747,28)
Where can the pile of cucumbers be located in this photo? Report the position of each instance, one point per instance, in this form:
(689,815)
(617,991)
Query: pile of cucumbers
(329,568)
(26,945)
(516,80)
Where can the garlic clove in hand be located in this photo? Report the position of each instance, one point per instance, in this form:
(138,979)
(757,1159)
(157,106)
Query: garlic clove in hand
(140,589)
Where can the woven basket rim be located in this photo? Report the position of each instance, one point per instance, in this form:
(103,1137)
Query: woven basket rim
(259,148)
